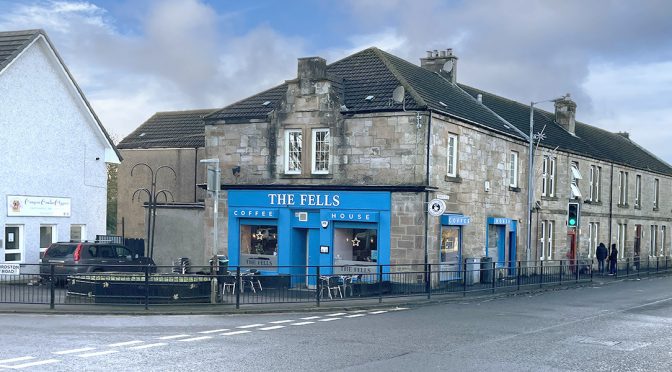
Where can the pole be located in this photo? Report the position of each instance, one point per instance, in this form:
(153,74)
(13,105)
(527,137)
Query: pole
(530,184)
(216,210)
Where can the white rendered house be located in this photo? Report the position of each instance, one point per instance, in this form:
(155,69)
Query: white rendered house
(53,174)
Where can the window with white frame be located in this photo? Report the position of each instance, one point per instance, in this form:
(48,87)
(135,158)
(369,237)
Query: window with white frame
(576,176)
(593,238)
(596,184)
(14,243)
(653,241)
(47,236)
(321,146)
(663,240)
(452,156)
(77,233)
(638,191)
(656,184)
(591,183)
(548,176)
(546,239)
(622,188)
(293,151)
(513,169)
(621,235)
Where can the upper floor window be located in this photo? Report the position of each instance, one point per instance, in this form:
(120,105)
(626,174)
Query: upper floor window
(321,144)
(513,169)
(548,176)
(452,156)
(293,149)
(622,188)
(576,176)
(638,191)
(594,194)
(656,184)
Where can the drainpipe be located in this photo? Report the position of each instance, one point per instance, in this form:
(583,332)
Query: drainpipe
(429,136)
(611,203)
(195,172)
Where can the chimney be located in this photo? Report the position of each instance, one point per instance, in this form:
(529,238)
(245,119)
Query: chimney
(443,63)
(624,134)
(312,68)
(565,113)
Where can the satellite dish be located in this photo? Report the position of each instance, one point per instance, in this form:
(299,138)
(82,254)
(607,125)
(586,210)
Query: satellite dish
(398,94)
(448,66)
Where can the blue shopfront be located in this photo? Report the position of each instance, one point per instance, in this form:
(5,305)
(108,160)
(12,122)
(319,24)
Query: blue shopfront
(500,241)
(294,231)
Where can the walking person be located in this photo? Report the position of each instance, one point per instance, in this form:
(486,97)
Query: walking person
(613,259)
(601,254)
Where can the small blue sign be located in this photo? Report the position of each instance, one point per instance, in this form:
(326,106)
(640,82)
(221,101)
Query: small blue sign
(502,221)
(455,220)
(254,212)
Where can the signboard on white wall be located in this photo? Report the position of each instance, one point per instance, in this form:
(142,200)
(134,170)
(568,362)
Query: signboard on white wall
(38,206)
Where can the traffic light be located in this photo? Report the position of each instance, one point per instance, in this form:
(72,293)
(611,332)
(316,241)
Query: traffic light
(573,215)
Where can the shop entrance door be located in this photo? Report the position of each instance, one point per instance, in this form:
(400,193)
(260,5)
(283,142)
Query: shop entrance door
(13,243)
(512,252)
(305,257)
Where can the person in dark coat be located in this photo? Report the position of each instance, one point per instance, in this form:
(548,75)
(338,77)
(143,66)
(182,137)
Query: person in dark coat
(601,254)
(613,258)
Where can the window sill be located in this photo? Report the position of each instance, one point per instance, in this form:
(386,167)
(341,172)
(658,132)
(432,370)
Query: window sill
(551,198)
(655,209)
(456,179)
(514,189)
(624,206)
(637,207)
(306,177)
(598,203)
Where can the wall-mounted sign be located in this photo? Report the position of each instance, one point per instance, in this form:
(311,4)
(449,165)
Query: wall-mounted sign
(324,249)
(455,220)
(345,267)
(360,216)
(436,207)
(10,269)
(254,212)
(38,206)
(258,261)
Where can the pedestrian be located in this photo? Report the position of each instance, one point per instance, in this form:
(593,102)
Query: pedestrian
(601,254)
(613,258)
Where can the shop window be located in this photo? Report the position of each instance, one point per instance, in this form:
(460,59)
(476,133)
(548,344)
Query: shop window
(293,149)
(450,244)
(77,233)
(359,245)
(259,246)
(321,148)
(47,236)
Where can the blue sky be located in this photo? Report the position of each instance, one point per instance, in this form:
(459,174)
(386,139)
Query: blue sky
(133,58)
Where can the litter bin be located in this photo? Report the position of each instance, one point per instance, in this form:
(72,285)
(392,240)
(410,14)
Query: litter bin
(219,264)
(473,270)
(486,270)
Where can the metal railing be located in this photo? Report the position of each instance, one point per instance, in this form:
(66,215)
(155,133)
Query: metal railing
(54,284)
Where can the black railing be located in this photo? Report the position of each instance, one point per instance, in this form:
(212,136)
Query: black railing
(55,285)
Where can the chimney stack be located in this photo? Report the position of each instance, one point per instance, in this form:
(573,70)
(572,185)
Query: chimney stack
(565,113)
(443,63)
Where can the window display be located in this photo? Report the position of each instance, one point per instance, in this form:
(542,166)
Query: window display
(259,246)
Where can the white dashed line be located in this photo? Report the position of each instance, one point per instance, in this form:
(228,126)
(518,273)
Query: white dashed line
(32,364)
(235,333)
(195,339)
(355,315)
(302,323)
(20,359)
(63,352)
(147,346)
(214,331)
(281,321)
(250,326)
(126,343)
(378,312)
(358,311)
(336,314)
(399,308)
(328,319)
(88,355)
(172,337)
(271,328)
(311,318)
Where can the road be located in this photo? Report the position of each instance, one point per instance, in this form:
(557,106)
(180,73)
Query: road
(624,326)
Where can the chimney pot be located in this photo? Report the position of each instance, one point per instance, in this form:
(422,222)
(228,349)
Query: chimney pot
(436,53)
(449,51)
(443,53)
(429,54)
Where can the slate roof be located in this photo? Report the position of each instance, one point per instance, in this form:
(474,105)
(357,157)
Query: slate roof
(12,43)
(171,129)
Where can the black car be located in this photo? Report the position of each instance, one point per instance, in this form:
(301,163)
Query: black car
(76,258)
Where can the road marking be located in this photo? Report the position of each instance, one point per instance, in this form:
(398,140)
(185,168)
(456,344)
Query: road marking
(234,333)
(328,319)
(32,364)
(378,312)
(250,326)
(16,359)
(272,328)
(172,337)
(281,321)
(336,314)
(88,355)
(399,308)
(73,351)
(355,315)
(358,311)
(214,331)
(147,346)
(126,343)
(311,318)
(302,323)
(195,338)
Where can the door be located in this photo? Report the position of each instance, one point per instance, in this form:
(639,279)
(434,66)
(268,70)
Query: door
(571,254)
(449,254)
(13,240)
(638,245)
(512,252)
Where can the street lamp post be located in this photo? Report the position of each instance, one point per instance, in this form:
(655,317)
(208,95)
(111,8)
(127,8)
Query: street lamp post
(214,185)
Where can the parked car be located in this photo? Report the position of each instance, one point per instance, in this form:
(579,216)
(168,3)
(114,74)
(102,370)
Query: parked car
(76,258)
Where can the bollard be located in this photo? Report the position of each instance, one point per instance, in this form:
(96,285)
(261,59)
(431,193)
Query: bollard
(464,279)
(428,283)
(240,287)
(318,287)
(380,284)
(52,287)
(147,287)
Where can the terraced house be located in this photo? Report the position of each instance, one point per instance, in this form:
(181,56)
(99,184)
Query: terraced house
(341,165)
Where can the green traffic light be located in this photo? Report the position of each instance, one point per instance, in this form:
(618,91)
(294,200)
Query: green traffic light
(572,222)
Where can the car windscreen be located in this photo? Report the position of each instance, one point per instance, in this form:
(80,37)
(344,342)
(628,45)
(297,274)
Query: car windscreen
(61,250)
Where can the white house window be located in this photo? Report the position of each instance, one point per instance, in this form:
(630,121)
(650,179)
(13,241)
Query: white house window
(663,240)
(623,188)
(513,169)
(593,238)
(293,149)
(638,191)
(653,250)
(452,156)
(576,176)
(546,239)
(620,238)
(321,142)
(47,236)
(548,177)
(656,194)
(77,233)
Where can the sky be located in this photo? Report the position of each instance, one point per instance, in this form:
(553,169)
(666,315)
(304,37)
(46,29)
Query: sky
(133,58)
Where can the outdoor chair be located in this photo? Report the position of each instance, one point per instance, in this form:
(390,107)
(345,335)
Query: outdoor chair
(228,283)
(332,284)
(251,280)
